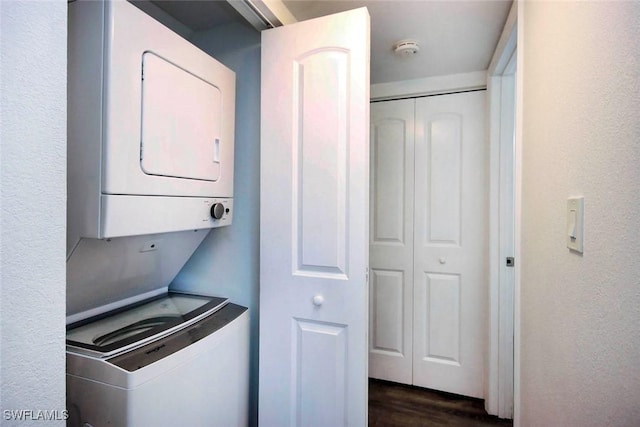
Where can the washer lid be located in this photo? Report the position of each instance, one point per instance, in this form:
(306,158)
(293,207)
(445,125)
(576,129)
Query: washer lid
(142,323)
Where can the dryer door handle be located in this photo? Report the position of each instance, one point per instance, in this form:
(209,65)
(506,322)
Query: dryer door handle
(216,150)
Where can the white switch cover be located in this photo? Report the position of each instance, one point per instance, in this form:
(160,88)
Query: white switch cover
(575,224)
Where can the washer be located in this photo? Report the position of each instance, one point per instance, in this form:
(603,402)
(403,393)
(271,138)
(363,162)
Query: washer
(179,359)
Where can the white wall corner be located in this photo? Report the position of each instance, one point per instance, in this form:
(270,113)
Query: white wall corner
(500,83)
(506,43)
(33,91)
(518,213)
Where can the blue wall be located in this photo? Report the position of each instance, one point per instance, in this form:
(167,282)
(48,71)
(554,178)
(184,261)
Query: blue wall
(228,260)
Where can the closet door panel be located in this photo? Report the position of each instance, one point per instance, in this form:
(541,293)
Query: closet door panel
(391,241)
(450,244)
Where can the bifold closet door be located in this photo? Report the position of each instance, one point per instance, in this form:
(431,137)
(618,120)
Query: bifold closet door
(450,243)
(428,242)
(391,241)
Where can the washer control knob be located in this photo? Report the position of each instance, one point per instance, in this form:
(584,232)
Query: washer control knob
(217,210)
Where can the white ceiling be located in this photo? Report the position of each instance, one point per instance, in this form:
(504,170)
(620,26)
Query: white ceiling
(454,36)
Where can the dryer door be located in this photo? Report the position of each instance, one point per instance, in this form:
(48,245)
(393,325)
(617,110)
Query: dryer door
(181,122)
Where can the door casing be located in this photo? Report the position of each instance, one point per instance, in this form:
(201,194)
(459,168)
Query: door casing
(497,354)
(504,89)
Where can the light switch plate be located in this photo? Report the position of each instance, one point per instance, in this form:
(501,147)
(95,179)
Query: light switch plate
(575,224)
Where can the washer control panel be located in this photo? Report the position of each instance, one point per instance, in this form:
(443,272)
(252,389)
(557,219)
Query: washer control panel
(218,212)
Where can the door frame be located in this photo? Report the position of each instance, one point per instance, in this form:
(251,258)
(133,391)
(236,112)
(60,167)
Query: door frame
(505,124)
(502,364)
(502,319)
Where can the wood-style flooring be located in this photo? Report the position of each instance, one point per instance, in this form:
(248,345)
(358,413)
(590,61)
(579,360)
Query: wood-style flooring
(398,405)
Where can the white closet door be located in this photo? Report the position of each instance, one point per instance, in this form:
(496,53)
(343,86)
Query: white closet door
(450,243)
(391,241)
(314,228)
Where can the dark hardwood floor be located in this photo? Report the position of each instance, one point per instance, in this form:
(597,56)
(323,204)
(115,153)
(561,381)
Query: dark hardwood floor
(398,405)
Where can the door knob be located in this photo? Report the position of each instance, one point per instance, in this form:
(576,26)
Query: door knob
(442,260)
(318,300)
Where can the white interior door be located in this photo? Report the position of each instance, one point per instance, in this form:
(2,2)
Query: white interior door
(450,243)
(391,241)
(314,224)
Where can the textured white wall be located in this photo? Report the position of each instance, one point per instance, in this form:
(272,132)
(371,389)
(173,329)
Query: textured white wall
(580,332)
(227,262)
(33,205)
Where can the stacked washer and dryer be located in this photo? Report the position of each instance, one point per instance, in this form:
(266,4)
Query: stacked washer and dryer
(150,171)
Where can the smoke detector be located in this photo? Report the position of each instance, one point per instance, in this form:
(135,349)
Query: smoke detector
(406,48)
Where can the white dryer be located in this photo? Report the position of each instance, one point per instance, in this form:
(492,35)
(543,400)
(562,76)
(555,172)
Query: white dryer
(150,128)
(176,360)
